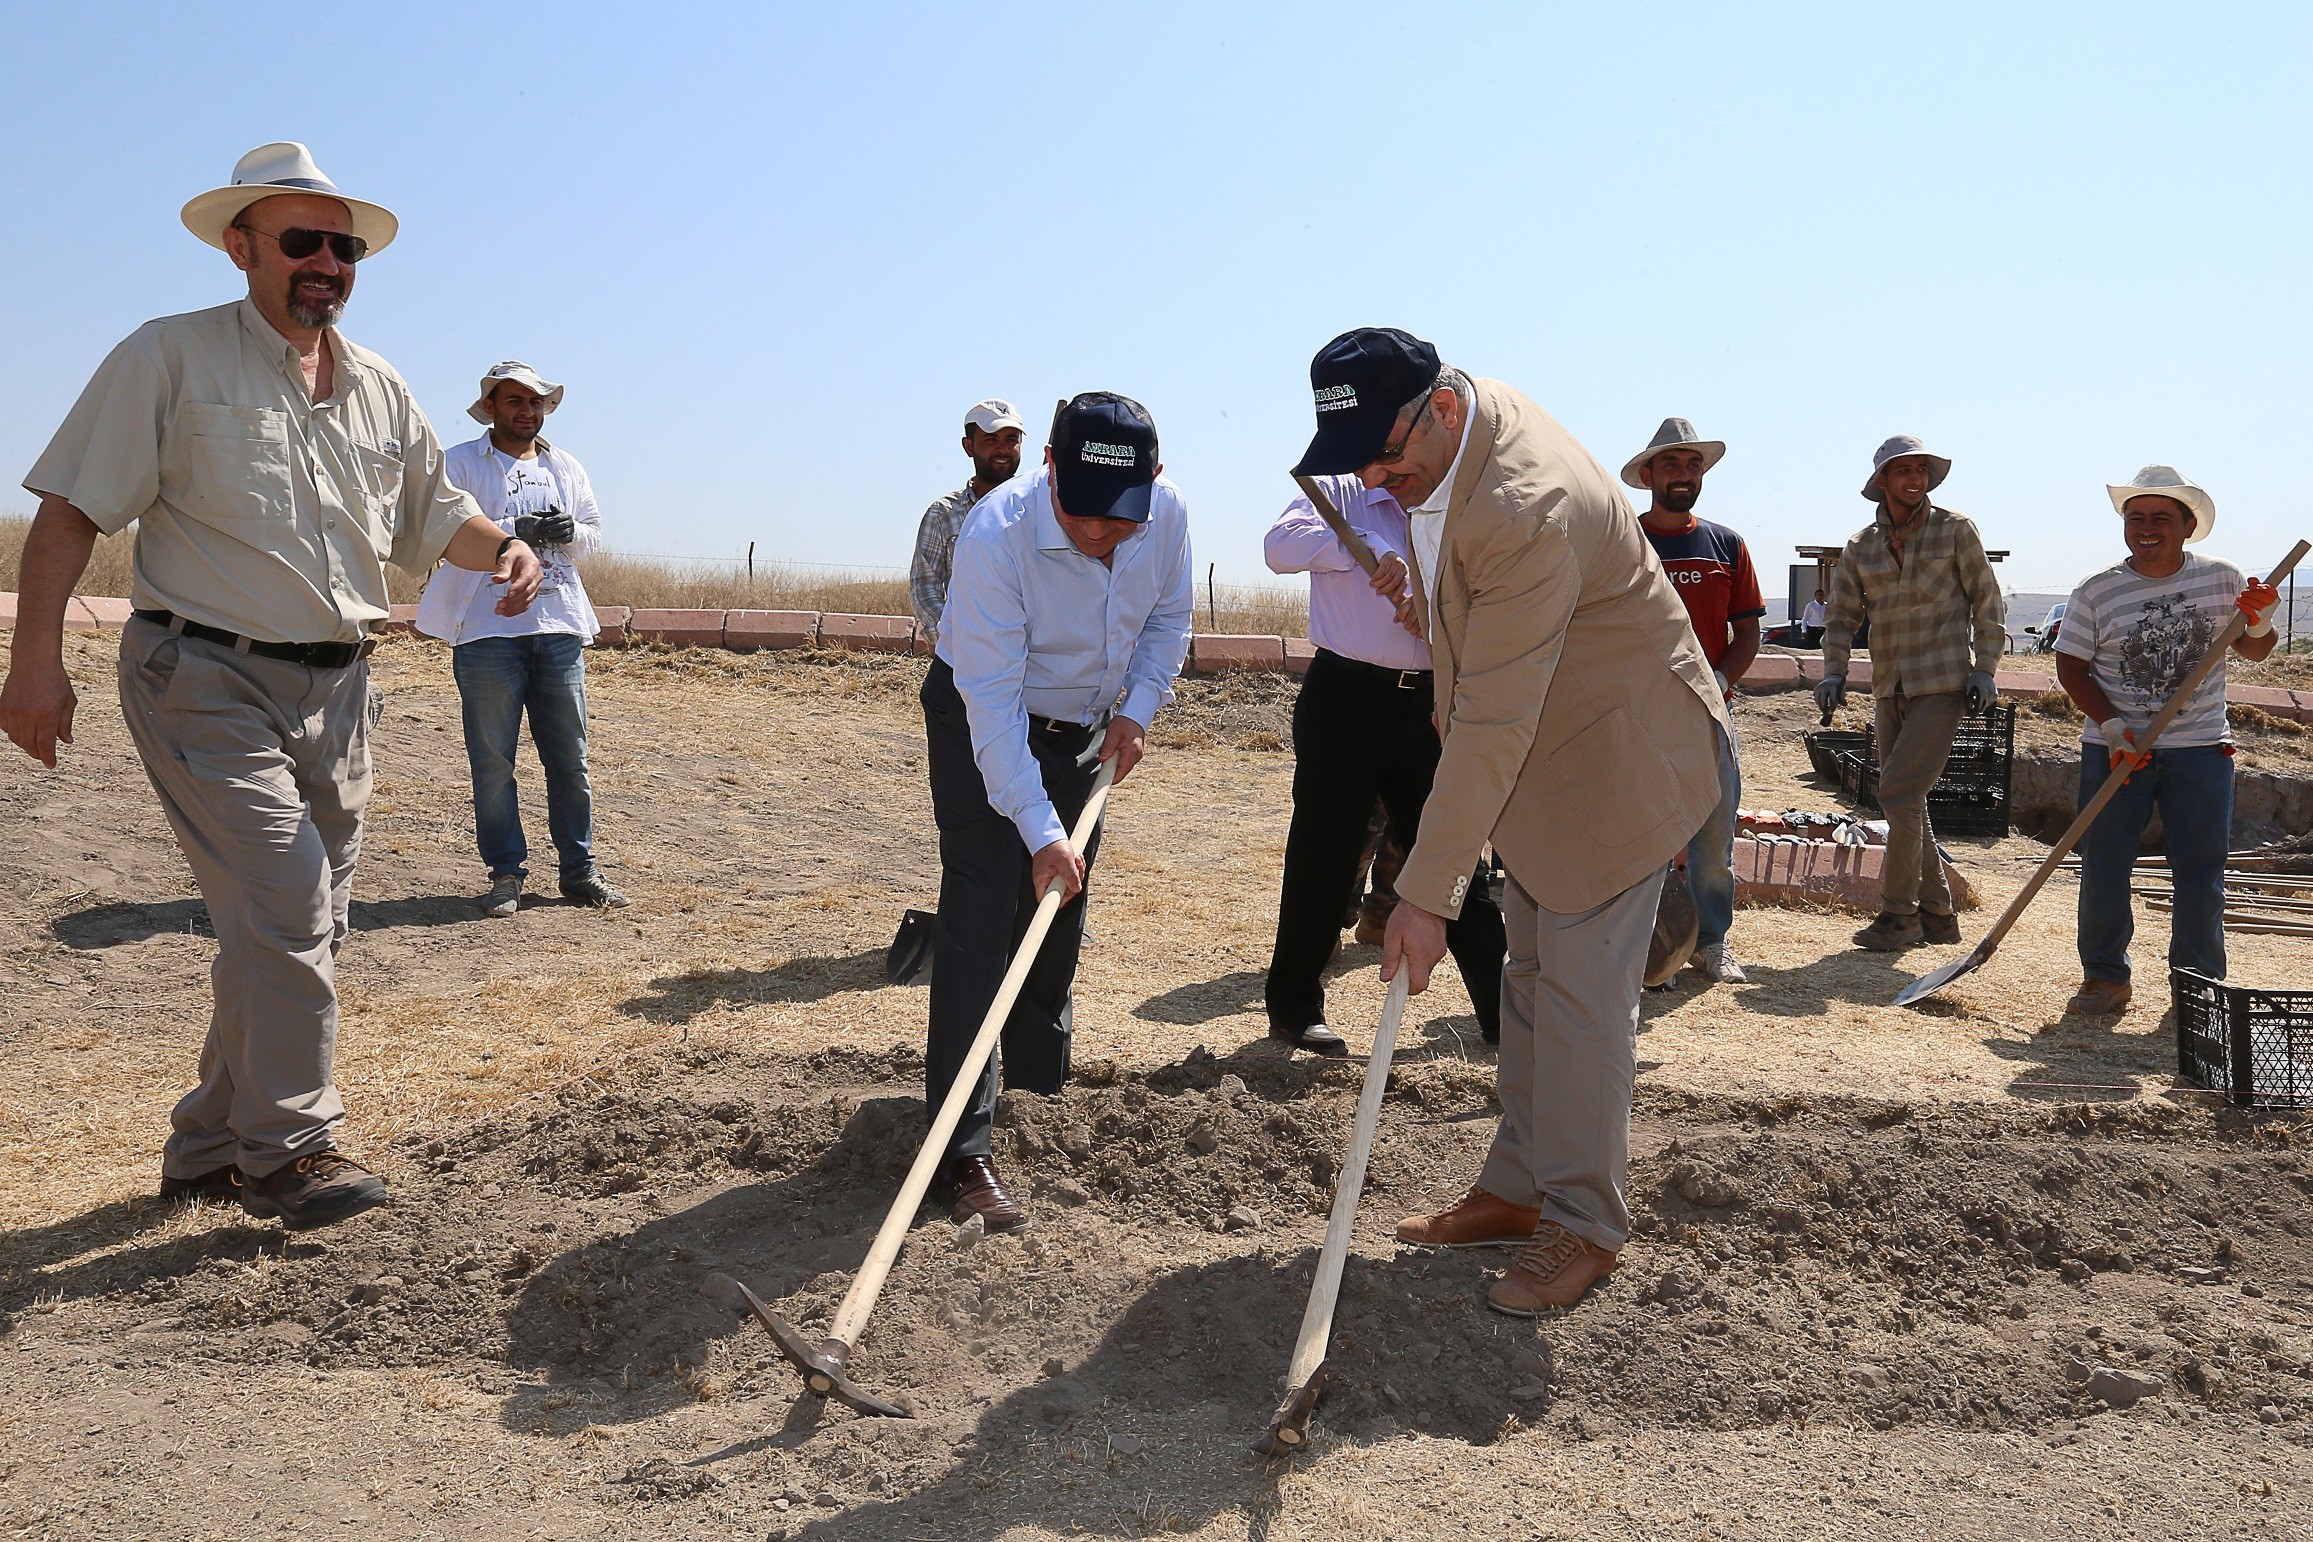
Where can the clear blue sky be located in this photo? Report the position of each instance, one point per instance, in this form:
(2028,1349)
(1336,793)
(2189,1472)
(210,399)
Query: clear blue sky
(775,251)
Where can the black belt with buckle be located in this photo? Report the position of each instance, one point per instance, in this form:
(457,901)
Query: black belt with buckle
(1058,726)
(320,655)
(1403,679)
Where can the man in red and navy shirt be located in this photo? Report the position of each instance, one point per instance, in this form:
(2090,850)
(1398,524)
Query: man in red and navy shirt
(1711,568)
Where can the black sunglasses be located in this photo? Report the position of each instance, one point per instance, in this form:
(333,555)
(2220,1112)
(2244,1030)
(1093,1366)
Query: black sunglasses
(1393,453)
(297,243)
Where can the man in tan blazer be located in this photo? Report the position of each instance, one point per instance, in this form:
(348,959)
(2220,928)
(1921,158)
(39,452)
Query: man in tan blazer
(1580,727)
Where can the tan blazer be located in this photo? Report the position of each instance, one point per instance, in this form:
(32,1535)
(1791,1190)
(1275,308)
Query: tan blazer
(1578,713)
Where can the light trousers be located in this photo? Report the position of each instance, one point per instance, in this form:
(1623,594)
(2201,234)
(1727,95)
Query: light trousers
(262,768)
(1569,1056)
(1914,737)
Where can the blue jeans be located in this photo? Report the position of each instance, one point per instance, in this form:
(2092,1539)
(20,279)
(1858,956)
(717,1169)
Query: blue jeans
(2193,789)
(1711,855)
(497,677)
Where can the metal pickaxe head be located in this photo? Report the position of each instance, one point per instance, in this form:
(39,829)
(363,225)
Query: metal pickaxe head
(1289,1426)
(821,1363)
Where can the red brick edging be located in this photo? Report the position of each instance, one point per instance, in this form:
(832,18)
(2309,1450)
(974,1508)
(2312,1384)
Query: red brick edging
(745,631)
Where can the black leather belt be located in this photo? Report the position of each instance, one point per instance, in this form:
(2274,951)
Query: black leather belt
(1403,679)
(320,655)
(1058,726)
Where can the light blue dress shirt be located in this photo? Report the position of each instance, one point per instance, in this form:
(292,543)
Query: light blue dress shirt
(1033,625)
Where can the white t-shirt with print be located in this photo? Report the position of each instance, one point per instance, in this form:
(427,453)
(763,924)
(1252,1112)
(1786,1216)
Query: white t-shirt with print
(2141,636)
(530,489)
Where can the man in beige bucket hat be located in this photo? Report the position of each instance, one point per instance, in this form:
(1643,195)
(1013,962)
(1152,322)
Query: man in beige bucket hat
(1938,628)
(271,468)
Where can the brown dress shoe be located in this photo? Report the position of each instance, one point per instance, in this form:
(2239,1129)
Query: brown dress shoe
(2100,998)
(1551,1271)
(318,1189)
(973,1189)
(1476,1220)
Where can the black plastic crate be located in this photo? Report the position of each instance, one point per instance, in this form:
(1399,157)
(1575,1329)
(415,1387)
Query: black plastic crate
(2256,1046)
(1973,795)
(1826,745)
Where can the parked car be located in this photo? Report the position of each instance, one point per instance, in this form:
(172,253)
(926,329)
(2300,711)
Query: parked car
(2047,633)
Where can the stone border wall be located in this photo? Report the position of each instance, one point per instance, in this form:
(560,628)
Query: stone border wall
(744,631)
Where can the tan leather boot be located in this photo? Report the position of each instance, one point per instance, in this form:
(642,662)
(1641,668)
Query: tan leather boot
(1476,1220)
(1551,1271)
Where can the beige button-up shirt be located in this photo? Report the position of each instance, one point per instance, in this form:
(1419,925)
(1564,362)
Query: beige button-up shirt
(257,509)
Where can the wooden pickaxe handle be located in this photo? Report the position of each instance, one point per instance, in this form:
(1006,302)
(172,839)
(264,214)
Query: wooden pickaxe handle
(1335,523)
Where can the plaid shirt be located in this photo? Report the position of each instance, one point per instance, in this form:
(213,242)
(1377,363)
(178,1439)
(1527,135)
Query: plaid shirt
(935,549)
(1935,613)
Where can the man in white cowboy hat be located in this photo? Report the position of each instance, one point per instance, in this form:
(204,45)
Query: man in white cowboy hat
(505,665)
(992,437)
(1710,566)
(2131,634)
(271,468)
(1938,628)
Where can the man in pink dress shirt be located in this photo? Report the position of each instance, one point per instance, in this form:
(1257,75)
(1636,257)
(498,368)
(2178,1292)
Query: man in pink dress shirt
(1361,729)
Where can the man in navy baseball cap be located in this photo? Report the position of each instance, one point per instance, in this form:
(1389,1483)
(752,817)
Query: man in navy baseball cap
(1363,379)
(1104,457)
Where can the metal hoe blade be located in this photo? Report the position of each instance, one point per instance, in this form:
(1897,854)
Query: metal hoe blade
(1936,979)
(821,1364)
(1289,1425)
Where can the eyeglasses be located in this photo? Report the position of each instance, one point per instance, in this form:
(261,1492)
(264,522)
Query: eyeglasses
(297,243)
(1393,453)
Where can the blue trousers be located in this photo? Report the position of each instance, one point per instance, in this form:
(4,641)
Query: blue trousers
(497,678)
(2193,789)
(1711,855)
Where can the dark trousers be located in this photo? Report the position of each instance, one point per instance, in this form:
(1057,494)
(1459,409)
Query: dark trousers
(986,903)
(1357,736)
(2193,789)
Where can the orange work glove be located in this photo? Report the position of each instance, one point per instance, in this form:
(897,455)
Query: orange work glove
(2257,602)
(2120,744)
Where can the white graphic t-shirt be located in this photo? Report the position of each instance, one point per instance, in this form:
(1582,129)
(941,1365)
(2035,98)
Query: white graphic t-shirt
(530,489)
(2141,637)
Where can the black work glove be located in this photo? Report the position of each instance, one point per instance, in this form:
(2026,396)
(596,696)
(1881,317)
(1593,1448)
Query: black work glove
(552,528)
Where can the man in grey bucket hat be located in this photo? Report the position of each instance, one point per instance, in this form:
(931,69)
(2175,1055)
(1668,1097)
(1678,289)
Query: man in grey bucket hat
(1938,628)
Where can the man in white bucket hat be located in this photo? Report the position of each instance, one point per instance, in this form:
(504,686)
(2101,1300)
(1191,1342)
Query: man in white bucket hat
(532,664)
(271,468)
(2131,634)
(1938,628)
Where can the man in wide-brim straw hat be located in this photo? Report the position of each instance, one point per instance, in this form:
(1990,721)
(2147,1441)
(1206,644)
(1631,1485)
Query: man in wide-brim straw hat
(2131,635)
(1710,567)
(271,468)
(1938,628)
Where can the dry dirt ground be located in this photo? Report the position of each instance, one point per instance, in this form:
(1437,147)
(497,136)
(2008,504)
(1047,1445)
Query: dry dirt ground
(1879,1251)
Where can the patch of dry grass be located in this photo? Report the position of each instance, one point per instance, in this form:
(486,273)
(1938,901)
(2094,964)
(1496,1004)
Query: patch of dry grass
(664,583)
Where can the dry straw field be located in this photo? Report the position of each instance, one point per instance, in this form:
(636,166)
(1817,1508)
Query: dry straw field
(674,583)
(1880,1253)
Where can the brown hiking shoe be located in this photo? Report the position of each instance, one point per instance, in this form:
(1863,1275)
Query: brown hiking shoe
(1892,933)
(1476,1220)
(314,1190)
(973,1189)
(2100,998)
(1938,929)
(1552,1271)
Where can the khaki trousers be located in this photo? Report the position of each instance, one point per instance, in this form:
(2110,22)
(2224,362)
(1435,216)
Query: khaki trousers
(263,770)
(1569,1054)
(1914,735)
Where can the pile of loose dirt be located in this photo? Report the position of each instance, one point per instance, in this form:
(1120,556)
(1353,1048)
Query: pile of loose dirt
(1797,1261)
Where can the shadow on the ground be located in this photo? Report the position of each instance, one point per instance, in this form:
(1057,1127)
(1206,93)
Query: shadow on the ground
(48,1265)
(1232,995)
(1851,976)
(113,925)
(679,998)
(2075,1059)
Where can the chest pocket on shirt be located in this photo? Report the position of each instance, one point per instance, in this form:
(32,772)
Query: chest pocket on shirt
(381,476)
(233,463)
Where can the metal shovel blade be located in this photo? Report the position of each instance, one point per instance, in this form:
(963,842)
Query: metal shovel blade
(909,960)
(1936,979)
(821,1364)
(1289,1426)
